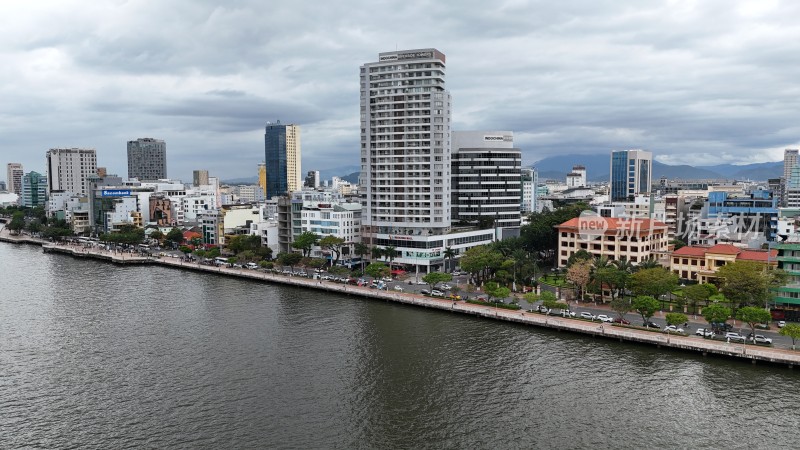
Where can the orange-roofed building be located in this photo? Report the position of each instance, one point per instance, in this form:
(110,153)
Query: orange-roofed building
(701,263)
(615,238)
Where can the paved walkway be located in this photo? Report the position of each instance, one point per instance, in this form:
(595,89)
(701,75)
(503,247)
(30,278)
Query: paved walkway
(705,346)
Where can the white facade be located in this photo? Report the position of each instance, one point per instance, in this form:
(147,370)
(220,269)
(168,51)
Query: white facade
(530,193)
(124,207)
(250,193)
(405,152)
(577,178)
(69,168)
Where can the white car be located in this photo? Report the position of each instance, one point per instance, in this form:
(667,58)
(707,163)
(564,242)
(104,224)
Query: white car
(604,318)
(781,323)
(760,339)
(398,288)
(437,293)
(421,282)
(705,332)
(587,315)
(734,337)
(446,287)
(672,329)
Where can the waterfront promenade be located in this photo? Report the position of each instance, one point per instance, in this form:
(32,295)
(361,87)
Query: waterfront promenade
(594,329)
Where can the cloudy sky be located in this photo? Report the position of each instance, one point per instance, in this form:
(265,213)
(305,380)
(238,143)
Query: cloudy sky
(697,82)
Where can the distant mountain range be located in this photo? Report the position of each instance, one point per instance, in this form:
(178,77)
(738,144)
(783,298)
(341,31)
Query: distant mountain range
(347,173)
(598,169)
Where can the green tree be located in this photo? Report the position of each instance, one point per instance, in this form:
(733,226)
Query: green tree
(289,259)
(621,306)
(334,245)
(677,243)
(243,243)
(174,237)
(448,254)
(656,282)
(305,241)
(377,253)
(157,235)
(747,283)
(17,223)
(547,298)
(752,316)
(646,306)
(716,313)
(434,278)
(611,278)
(792,330)
(580,255)
(361,249)
(540,234)
(185,249)
(695,293)
(675,318)
(494,290)
(390,253)
(481,262)
(377,270)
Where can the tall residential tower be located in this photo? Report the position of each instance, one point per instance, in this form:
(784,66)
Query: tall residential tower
(147,159)
(405,154)
(68,170)
(282,151)
(15,173)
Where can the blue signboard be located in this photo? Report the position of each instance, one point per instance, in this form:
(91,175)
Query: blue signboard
(115,193)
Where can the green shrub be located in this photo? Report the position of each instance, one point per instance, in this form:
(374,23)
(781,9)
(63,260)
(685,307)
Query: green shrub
(495,305)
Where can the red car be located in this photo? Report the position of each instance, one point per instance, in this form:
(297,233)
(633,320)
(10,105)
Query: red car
(622,321)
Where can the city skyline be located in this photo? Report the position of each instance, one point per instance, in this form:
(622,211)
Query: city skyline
(693,83)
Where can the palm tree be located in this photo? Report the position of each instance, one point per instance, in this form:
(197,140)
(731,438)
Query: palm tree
(601,262)
(649,263)
(361,249)
(377,252)
(448,253)
(390,253)
(623,265)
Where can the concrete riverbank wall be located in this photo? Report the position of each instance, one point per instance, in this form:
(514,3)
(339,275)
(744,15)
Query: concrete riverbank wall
(605,331)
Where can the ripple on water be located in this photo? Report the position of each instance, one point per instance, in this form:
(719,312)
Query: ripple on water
(97,356)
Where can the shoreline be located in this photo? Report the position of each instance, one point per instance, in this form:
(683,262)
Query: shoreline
(705,347)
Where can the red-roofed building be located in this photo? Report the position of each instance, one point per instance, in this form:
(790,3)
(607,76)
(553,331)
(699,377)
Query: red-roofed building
(615,238)
(701,263)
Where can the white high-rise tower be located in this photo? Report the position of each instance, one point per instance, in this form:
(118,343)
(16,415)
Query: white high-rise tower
(405,155)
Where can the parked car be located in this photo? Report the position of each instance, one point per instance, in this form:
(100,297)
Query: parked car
(567,313)
(454,297)
(622,321)
(446,287)
(542,309)
(760,339)
(252,265)
(398,288)
(781,323)
(437,293)
(604,318)
(705,332)
(420,282)
(587,315)
(425,292)
(650,325)
(733,336)
(672,329)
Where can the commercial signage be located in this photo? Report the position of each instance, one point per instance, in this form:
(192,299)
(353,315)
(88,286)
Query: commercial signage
(115,193)
(406,55)
(496,138)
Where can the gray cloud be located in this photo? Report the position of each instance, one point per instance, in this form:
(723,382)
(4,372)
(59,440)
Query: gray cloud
(695,82)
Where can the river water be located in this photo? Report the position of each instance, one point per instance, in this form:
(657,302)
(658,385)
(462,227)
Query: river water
(94,355)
